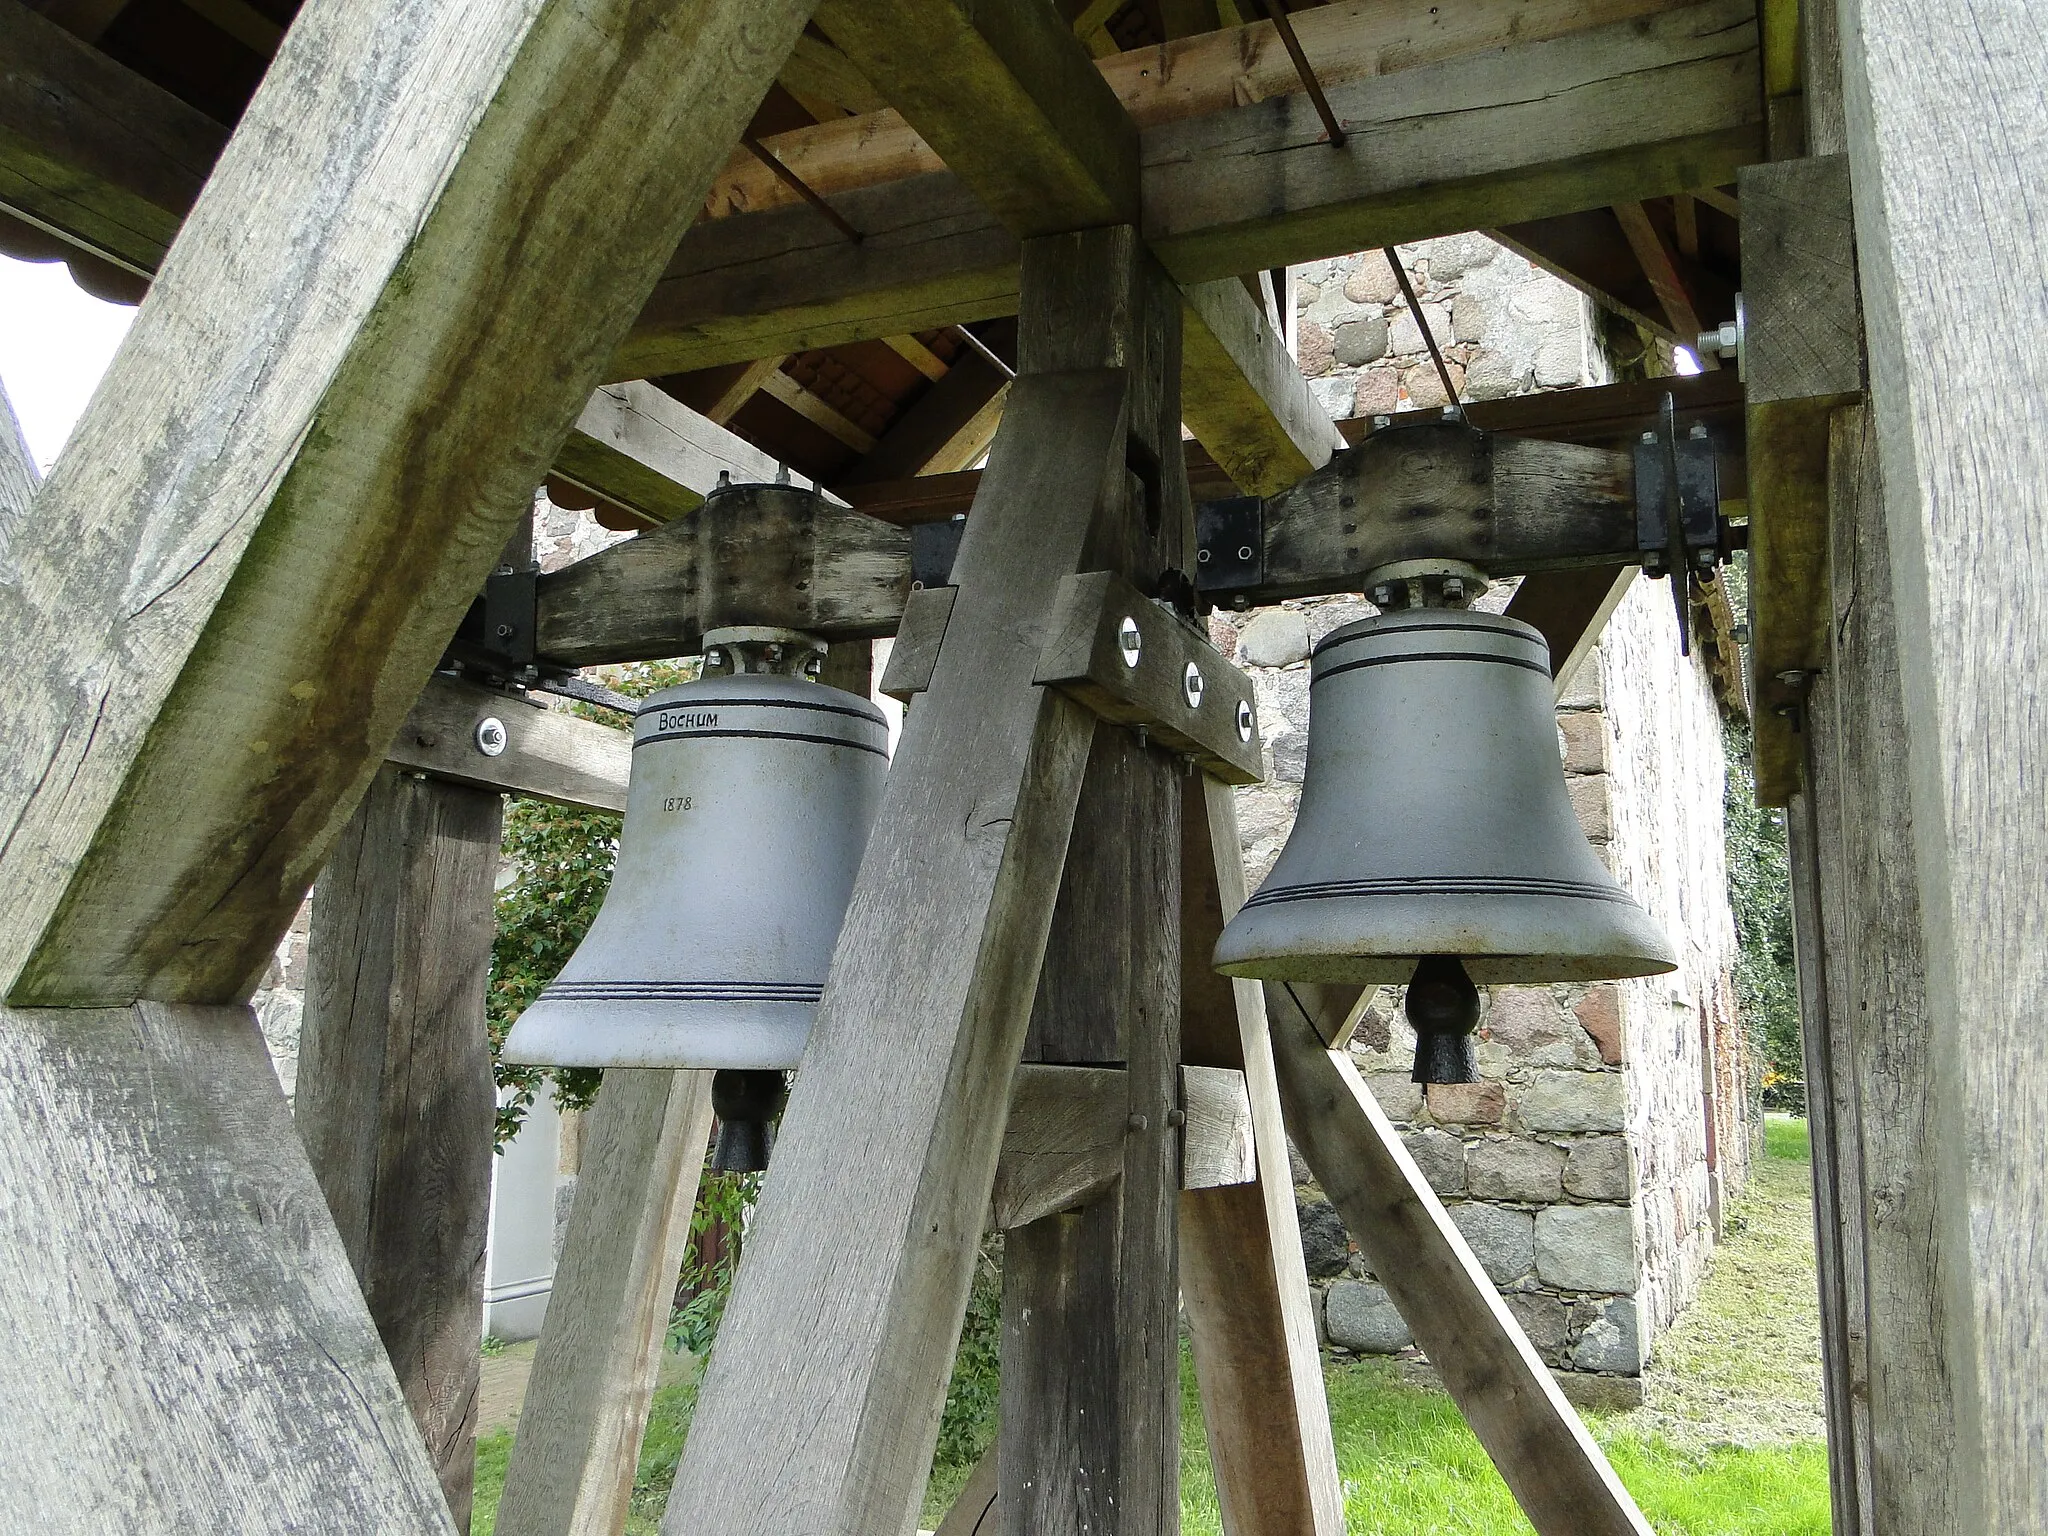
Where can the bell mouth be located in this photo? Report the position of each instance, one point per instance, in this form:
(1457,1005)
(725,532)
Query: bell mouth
(751,1034)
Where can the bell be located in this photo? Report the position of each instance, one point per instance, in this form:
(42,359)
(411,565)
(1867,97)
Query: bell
(750,804)
(1434,826)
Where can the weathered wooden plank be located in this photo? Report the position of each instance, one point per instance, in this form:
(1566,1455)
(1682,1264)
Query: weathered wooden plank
(180,1311)
(773,558)
(1804,357)
(1063,1143)
(323,388)
(1880,1007)
(1946,133)
(573,1461)
(1213,71)
(936,968)
(91,151)
(974,1509)
(1571,608)
(1244,1283)
(18,482)
(1019,112)
(1530,130)
(547,754)
(1635,109)
(652,454)
(1135,663)
(926,430)
(395,1098)
(1242,394)
(1673,296)
(1556,1472)
(1090,1432)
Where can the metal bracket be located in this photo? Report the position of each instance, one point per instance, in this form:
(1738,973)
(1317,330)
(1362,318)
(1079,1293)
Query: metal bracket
(933,549)
(1678,509)
(1230,545)
(1134,661)
(496,639)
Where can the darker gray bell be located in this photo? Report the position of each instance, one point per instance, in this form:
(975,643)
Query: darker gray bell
(1434,822)
(749,808)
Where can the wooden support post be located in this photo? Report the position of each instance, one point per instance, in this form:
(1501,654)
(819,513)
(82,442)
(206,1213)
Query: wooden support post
(180,1314)
(1555,1471)
(924,1016)
(324,388)
(1243,1279)
(593,1380)
(395,1096)
(1090,1438)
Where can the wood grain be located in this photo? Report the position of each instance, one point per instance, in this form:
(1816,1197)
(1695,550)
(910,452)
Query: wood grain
(395,1098)
(1243,395)
(652,454)
(18,482)
(179,1308)
(323,387)
(1557,1474)
(1244,1283)
(548,754)
(587,1400)
(1880,1007)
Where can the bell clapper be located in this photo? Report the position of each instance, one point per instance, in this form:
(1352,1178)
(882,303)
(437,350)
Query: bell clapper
(1443,1007)
(746,1104)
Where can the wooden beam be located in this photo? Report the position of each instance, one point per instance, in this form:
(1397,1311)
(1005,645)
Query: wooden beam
(650,453)
(1540,128)
(1351,41)
(925,434)
(1018,113)
(1063,1144)
(1243,395)
(1647,242)
(753,377)
(18,476)
(1475,142)
(919,356)
(1244,1284)
(178,1307)
(1510,504)
(1874,942)
(780,386)
(546,754)
(323,389)
(1556,1472)
(1945,134)
(819,70)
(89,150)
(1804,357)
(395,1099)
(1571,608)
(593,1378)
(938,965)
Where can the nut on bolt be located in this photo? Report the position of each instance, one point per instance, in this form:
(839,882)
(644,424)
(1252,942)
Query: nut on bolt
(491,736)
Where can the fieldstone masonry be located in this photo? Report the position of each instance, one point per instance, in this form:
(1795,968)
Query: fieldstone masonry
(1581,1168)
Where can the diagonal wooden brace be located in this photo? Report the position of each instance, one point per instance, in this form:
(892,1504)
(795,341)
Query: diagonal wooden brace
(892,1135)
(1243,1280)
(1556,1472)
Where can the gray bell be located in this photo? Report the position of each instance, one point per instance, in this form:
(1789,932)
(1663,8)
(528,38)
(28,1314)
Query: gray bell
(1434,822)
(750,804)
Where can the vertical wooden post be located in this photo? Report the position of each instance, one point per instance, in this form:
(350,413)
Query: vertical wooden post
(1945,134)
(1243,1280)
(892,1134)
(395,1095)
(593,1380)
(1090,1438)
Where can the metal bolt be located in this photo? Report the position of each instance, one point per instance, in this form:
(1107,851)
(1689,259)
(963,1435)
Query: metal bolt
(1382,595)
(1136,1123)
(1244,721)
(1129,641)
(1244,551)
(1380,423)
(1792,678)
(1454,589)
(713,658)
(1176,1118)
(504,631)
(814,666)
(1649,437)
(1699,432)
(1201,557)
(1191,684)
(490,736)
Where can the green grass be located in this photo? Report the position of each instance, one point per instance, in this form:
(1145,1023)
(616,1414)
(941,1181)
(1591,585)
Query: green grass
(1728,1446)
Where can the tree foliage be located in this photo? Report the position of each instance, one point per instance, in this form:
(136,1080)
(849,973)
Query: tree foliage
(1759,891)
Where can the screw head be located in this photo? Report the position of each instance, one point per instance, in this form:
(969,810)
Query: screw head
(713,658)
(1128,641)
(1244,721)
(1202,557)
(491,736)
(1191,685)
